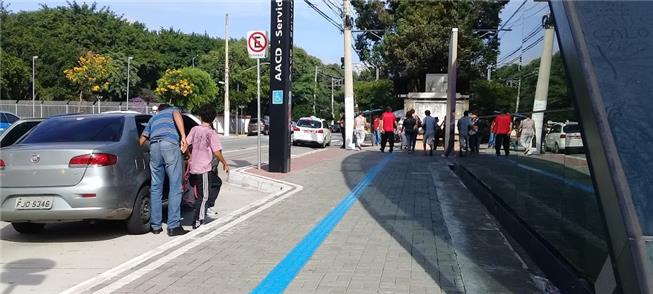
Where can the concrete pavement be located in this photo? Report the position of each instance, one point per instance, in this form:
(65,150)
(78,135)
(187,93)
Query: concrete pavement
(362,222)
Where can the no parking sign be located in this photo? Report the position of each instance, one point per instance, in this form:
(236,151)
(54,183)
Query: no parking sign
(257,44)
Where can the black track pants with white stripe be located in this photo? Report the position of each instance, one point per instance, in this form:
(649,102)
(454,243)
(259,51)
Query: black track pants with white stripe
(207,187)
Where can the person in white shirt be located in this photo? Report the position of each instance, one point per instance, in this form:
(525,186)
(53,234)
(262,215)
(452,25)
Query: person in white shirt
(359,130)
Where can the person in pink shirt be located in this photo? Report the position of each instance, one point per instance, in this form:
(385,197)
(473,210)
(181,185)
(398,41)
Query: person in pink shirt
(204,145)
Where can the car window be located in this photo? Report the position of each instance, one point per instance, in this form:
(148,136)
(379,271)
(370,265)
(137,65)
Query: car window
(324,125)
(11,118)
(556,129)
(3,118)
(307,123)
(572,129)
(77,129)
(141,123)
(253,120)
(189,123)
(17,132)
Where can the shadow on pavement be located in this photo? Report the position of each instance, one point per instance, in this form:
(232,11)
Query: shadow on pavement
(68,232)
(24,272)
(403,199)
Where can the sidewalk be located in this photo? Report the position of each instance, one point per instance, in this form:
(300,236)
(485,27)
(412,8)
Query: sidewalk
(406,225)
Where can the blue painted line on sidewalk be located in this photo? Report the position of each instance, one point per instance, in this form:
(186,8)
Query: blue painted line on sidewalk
(285,272)
(575,184)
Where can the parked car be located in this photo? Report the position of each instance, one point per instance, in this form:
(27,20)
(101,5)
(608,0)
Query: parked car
(78,167)
(17,131)
(311,130)
(252,129)
(564,137)
(6,120)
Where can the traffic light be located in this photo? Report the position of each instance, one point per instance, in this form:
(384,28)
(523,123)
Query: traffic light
(342,63)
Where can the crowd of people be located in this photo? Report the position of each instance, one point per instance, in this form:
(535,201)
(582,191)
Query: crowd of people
(386,129)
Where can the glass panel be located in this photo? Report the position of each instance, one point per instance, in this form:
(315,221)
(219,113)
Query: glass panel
(546,181)
(77,129)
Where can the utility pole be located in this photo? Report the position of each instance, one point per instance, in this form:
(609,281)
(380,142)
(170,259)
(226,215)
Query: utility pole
(314,90)
(518,94)
(542,89)
(129,59)
(451,92)
(332,113)
(34,83)
(226,75)
(349,82)
(258,112)
(489,72)
(377,73)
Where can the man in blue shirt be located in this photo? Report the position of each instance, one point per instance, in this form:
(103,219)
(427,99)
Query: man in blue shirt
(165,158)
(464,124)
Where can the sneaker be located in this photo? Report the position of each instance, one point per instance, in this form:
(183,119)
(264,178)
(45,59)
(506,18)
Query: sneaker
(157,231)
(211,213)
(178,231)
(197,224)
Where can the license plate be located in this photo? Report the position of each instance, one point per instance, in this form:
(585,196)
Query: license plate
(34,203)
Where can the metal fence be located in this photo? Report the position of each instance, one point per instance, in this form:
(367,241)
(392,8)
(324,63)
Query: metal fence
(49,108)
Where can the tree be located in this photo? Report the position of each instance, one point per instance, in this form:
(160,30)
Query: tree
(187,87)
(91,74)
(118,78)
(489,96)
(15,78)
(414,38)
(375,94)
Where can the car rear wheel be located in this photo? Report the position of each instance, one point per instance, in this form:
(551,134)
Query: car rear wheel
(139,221)
(28,228)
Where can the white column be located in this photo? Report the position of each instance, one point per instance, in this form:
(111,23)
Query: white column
(542,89)
(451,92)
(349,80)
(226,76)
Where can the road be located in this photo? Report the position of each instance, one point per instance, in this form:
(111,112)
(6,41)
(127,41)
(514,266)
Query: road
(66,254)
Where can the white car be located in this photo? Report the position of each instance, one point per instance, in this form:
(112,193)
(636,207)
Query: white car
(564,137)
(311,130)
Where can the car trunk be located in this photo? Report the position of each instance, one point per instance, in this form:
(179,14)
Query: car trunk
(44,165)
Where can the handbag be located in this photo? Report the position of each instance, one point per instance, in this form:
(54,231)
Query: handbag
(189,195)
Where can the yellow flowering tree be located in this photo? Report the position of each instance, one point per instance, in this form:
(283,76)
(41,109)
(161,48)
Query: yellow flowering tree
(91,74)
(187,87)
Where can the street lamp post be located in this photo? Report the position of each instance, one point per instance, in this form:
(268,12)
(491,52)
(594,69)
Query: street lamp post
(129,59)
(33,83)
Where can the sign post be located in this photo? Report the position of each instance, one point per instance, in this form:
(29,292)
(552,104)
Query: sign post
(257,43)
(281,46)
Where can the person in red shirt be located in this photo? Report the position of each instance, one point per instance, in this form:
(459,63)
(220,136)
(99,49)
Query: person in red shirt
(502,126)
(376,131)
(388,126)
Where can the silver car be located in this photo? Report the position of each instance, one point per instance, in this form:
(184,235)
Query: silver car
(79,167)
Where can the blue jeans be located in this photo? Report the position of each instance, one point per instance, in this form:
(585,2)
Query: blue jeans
(377,137)
(491,140)
(165,158)
(410,143)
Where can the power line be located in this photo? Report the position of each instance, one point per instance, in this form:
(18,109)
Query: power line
(538,12)
(529,47)
(335,8)
(532,34)
(510,18)
(509,55)
(324,15)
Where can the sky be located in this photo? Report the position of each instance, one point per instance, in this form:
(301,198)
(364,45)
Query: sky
(313,33)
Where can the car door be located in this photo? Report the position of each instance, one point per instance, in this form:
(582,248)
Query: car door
(143,162)
(17,131)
